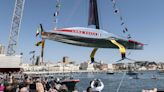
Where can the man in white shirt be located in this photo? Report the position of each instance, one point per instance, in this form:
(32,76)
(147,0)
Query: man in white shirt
(95,85)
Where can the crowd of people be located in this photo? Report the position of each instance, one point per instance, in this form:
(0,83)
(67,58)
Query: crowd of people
(17,82)
(25,83)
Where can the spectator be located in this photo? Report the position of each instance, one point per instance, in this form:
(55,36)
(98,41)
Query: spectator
(24,89)
(95,85)
(89,89)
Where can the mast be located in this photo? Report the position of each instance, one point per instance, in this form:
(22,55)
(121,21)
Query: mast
(93,14)
(93,20)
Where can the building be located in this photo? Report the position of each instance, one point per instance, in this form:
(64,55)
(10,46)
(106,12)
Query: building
(51,67)
(2,49)
(34,68)
(10,63)
(110,67)
(103,66)
(66,59)
(160,65)
(152,66)
(86,66)
(119,66)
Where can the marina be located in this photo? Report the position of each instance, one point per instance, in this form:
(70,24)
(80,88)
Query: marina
(111,82)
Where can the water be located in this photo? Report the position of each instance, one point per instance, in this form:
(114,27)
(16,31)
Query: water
(111,82)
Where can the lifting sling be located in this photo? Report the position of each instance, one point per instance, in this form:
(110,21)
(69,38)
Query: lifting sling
(93,54)
(121,48)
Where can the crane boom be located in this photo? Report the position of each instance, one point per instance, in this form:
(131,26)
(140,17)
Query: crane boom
(15,27)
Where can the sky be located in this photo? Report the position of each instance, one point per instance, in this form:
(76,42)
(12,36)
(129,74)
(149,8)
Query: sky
(144,19)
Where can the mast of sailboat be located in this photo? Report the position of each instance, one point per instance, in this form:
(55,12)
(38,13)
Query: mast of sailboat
(93,14)
(93,20)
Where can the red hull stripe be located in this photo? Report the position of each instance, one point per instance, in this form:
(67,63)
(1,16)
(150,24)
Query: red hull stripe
(135,42)
(72,80)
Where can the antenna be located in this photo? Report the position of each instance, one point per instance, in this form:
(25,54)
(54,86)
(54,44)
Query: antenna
(15,26)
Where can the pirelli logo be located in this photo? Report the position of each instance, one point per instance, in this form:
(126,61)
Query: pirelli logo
(81,32)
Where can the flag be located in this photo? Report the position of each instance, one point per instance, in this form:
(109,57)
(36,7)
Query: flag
(126,29)
(116,11)
(122,23)
(38,31)
(38,43)
(58,5)
(56,13)
(32,52)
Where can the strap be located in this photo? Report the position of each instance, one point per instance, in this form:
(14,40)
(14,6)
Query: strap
(93,54)
(121,48)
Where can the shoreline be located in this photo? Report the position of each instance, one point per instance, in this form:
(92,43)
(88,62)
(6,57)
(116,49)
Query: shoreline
(61,72)
(81,71)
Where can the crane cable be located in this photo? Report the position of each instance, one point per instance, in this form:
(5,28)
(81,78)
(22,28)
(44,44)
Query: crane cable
(121,82)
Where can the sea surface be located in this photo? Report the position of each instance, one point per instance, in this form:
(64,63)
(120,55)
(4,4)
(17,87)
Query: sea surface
(129,84)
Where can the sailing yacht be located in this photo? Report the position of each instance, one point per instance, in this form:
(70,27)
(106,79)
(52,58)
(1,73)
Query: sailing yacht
(91,37)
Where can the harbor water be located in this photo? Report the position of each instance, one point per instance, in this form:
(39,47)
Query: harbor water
(146,80)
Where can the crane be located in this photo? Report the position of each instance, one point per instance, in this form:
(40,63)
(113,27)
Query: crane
(15,27)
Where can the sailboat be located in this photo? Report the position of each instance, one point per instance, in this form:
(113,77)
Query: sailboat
(91,37)
(131,72)
(110,72)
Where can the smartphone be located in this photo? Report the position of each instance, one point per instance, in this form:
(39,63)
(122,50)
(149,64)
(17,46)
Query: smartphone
(32,86)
